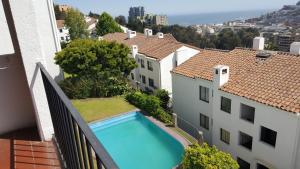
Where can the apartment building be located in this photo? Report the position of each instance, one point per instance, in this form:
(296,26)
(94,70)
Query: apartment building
(244,101)
(160,20)
(156,56)
(285,40)
(63,31)
(136,12)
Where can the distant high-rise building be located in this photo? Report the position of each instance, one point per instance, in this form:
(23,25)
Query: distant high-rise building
(136,12)
(284,41)
(160,20)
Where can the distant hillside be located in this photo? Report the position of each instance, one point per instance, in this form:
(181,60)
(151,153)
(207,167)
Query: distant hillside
(288,15)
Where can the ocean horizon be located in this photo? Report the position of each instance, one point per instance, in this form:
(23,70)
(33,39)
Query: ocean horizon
(214,18)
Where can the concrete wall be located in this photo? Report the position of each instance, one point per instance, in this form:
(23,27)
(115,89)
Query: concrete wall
(36,31)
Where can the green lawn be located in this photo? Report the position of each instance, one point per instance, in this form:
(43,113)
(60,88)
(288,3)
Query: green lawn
(100,108)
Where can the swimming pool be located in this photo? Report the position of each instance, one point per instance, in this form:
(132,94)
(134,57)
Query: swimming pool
(134,142)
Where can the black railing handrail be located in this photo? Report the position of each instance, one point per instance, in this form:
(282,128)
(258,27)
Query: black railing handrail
(100,151)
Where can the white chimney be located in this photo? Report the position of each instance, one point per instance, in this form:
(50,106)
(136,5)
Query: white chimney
(160,35)
(134,50)
(148,32)
(295,48)
(131,34)
(258,43)
(221,76)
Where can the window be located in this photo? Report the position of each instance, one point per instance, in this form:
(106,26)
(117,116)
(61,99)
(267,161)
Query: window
(260,166)
(243,164)
(132,76)
(62,38)
(204,121)
(245,140)
(225,104)
(151,82)
(225,136)
(204,93)
(150,67)
(247,113)
(268,136)
(142,63)
(60,30)
(143,79)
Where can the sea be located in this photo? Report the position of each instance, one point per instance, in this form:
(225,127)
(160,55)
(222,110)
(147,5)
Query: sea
(214,18)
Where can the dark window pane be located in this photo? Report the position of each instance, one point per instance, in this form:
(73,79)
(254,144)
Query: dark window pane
(204,121)
(225,104)
(247,113)
(204,93)
(268,136)
(243,164)
(224,136)
(245,140)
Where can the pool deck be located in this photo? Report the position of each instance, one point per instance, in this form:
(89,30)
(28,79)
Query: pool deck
(161,125)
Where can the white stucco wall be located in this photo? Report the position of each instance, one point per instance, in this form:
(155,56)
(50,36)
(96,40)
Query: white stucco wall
(188,106)
(36,31)
(167,64)
(284,123)
(6,46)
(285,155)
(64,34)
(147,73)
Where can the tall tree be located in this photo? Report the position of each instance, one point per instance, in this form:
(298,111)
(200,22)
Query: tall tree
(121,20)
(76,24)
(206,157)
(228,40)
(106,24)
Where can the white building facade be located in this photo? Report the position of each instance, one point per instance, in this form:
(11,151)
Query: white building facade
(258,135)
(156,56)
(62,31)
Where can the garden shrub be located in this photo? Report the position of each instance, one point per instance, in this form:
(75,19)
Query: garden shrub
(164,97)
(206,157)
(150,104)
(77,88)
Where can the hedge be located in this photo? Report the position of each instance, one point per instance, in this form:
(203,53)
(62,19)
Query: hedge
(150,104)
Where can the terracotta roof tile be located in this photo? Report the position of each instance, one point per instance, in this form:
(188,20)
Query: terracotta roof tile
(60,23)
(150,46)
(274,81)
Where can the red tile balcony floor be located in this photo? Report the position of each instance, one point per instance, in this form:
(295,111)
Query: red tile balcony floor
(23,150)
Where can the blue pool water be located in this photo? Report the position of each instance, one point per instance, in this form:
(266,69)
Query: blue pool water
(134,142)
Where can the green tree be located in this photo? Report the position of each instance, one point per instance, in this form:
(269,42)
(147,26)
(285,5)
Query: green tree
(76,24)
(135,24)
(88,57)
(96,68)
(121,20)
(247,35)
(107,24)
(228,40)
(164,97)
(206,157)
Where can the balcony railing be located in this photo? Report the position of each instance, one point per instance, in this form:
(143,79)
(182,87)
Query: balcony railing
(79,146)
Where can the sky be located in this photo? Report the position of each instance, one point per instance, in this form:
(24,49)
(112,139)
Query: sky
(174,7)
